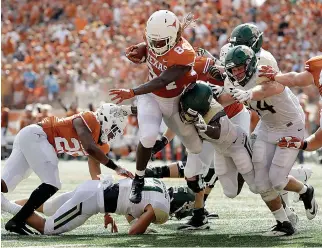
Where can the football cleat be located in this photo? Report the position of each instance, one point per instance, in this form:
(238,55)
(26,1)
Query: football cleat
(310,205)
(136,191)
(280,229)
(198,221)
(19,228)
(211,215)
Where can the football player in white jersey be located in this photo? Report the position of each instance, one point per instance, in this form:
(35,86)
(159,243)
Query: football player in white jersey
(311,75)
(281,115)
(249,35)
(70,210)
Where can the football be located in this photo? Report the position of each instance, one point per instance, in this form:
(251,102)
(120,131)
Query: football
(137,53)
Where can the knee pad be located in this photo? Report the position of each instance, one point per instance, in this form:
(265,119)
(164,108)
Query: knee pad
(148,141)
(269,195)
(230,194)
(279,187)
(211,178)
(278,176)
(197,184)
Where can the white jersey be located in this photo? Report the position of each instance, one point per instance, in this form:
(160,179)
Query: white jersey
(277,112)
(228,133)
(154,193)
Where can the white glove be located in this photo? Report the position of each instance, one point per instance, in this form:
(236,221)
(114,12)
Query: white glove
(125,110)
(242,95)
(201,125)
(216,90)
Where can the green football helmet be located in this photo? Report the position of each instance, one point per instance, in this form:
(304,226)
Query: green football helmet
(237,57)
(182,202)
(195,99)
(247,34)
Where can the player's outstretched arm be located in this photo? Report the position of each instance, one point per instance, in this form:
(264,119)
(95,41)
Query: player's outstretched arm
(93,150)
(142,223)
(314,141)
(94,168)
(168,76)
(290,79)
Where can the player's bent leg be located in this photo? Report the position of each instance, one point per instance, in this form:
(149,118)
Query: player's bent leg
(149,119)
(15,170)
(74,213)
(186,132)
(281,166)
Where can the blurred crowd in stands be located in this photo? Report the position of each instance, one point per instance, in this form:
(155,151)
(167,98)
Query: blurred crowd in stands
(62,50)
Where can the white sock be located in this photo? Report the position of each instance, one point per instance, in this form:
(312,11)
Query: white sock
(280,215)
(284,195)
(8,206)
(140,173)
(288,211)
(303,190)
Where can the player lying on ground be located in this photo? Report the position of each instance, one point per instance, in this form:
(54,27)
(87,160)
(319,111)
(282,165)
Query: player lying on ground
(70,210)
(280,115)
(36,146)
(311,76)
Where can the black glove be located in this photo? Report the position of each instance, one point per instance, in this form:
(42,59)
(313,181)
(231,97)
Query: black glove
(159,145)
(215,73)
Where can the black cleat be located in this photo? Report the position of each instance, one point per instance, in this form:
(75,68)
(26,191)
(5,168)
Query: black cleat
(136,190)
(19,228)
(198,221)
(280,229)
(211,215)
(311,206)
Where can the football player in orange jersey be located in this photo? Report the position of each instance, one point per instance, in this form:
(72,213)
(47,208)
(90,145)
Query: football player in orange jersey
(36,146)
(170,59)
(311,75)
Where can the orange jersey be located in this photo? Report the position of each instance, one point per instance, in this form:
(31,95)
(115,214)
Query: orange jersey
(314,66)
(180,54)
(62,135)
(201,67)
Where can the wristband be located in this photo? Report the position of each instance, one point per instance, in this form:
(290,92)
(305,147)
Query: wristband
(304,145)
(164,140)
(110,164)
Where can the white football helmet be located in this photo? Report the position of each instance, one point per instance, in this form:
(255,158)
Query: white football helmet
(223,52)
(112,121)
(161,31)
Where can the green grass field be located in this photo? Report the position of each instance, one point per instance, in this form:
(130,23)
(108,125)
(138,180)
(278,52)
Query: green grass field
(242,220)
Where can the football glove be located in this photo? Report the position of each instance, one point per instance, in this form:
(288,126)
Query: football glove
(242,95)
(216,90)
(201,125)
(268,71)
(291,142)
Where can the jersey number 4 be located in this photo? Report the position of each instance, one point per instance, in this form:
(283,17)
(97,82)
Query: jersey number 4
(262,106)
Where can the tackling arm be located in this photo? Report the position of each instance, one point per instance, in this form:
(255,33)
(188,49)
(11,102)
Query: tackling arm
(265,90)
(292,79)
(94,168)
(314,142)
(89,145)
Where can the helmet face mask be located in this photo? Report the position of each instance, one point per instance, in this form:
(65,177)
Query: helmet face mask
(240,65)
(112,122)
(195,99)
(161,31)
